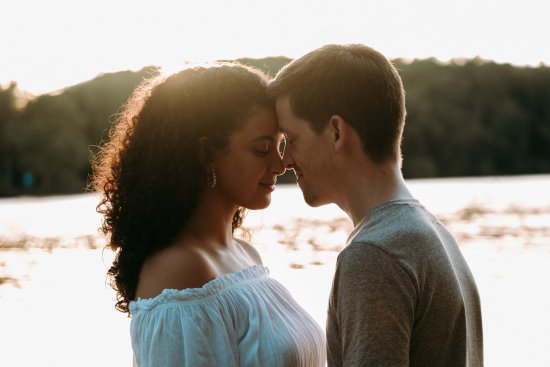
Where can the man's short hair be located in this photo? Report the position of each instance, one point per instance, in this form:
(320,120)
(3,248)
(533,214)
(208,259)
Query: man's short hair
(355,82)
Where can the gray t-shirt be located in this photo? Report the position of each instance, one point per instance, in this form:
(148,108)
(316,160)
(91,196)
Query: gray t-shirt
(403,295)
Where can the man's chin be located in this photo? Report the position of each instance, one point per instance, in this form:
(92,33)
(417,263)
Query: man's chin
(312,200)
(310,197)
(315,204)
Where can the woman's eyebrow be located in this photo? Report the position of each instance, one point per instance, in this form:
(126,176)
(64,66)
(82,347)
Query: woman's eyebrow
(264,137)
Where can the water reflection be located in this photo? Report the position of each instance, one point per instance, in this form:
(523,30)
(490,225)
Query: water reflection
(53,267)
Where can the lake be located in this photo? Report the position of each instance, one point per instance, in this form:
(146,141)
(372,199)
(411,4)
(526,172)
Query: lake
(56,309)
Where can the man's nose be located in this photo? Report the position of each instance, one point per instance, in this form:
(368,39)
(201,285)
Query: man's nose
(288,160)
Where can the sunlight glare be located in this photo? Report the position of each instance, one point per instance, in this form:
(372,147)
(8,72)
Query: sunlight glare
(76,42)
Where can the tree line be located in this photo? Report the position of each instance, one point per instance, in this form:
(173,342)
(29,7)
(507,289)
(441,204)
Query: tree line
(464,118)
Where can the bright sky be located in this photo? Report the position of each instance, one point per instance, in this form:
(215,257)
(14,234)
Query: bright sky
(48,45)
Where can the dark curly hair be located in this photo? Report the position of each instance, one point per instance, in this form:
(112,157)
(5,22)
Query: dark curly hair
(150,172)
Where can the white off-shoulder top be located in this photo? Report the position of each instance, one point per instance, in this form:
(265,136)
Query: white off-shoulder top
(245,318)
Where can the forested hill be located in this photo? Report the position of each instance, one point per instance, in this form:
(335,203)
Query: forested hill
(465,118)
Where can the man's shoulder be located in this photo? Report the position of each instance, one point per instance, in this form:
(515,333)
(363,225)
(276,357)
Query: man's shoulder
(395,222)
(405,232)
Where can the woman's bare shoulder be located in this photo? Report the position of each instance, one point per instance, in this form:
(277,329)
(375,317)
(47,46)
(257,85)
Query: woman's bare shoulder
(176,267)
(250,250)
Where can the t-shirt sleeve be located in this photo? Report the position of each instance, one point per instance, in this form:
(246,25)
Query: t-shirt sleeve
(371,309)
(194,335)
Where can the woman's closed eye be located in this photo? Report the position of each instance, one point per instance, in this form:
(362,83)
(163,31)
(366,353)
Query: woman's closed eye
(263,149)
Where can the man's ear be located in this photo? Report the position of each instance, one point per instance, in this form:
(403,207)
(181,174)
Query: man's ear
(338,131)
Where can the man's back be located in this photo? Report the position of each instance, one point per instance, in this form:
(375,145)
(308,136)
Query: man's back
(403,295)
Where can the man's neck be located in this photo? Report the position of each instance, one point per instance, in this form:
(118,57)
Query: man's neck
(371,187)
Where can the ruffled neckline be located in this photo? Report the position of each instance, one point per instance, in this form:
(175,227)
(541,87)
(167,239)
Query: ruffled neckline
(209,290)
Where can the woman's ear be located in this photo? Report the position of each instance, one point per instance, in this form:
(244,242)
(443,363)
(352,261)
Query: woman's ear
(205,153)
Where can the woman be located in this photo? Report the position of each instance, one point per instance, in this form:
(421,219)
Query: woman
(185,158)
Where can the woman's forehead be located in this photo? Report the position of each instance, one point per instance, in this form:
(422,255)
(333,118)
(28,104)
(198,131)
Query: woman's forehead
(262,124)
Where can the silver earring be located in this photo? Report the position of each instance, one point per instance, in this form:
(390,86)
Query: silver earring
(211,179)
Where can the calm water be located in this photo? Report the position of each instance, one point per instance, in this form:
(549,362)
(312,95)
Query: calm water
(55,309)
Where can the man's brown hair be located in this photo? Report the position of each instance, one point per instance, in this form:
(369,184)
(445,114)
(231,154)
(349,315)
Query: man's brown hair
(355,82)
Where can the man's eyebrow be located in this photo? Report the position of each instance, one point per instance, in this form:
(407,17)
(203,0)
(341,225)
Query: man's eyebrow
(284,131)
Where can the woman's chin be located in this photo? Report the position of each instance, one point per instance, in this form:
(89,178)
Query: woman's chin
(259,204)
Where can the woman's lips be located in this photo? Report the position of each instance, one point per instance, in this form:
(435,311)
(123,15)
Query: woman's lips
(268,185)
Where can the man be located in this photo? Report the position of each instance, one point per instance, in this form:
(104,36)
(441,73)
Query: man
(402,293)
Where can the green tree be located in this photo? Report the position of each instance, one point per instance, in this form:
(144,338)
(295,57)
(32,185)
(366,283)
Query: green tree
(52,146)
(8,120)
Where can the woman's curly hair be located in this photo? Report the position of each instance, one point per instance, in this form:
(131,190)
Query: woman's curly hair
(150,172)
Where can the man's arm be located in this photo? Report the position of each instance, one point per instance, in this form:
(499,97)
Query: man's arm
(371,309)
